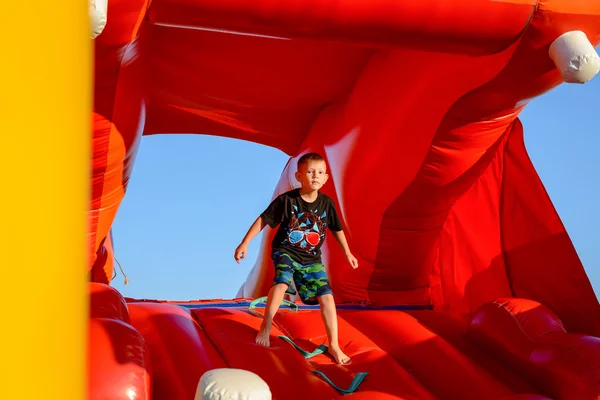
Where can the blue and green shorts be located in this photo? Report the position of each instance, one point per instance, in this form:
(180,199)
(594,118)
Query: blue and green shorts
(310,279)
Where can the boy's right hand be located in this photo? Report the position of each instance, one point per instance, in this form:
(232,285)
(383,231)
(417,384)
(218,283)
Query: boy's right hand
(240,252)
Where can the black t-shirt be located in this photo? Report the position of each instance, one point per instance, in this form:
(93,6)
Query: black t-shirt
(302,225)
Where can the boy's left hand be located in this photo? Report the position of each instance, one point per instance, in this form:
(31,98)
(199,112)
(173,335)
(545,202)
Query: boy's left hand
(352,260)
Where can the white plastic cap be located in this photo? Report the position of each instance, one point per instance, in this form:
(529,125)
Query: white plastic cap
(230,384)
(575,57)
(98,10)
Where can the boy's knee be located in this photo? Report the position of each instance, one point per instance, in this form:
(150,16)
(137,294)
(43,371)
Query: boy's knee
(326,299)
(281,286)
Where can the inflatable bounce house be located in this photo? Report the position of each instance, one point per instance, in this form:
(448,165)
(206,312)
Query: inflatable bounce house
(469,286)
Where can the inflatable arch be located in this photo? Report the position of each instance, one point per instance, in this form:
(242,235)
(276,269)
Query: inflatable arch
(469,285)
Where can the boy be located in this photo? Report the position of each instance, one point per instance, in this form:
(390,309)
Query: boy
(302,215)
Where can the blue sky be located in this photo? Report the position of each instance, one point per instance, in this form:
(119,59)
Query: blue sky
(191,198)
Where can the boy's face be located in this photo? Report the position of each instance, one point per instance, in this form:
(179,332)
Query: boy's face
(312,175)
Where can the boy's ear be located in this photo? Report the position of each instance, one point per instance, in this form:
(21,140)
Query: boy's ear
(297,175)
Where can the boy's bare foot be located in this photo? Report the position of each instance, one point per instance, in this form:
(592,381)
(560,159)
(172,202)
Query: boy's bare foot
(262,338)
(338,355)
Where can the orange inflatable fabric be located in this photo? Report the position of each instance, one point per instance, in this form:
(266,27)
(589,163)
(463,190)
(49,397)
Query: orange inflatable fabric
(469,286)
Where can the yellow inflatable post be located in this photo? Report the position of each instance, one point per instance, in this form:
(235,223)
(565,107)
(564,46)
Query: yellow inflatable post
(45,102)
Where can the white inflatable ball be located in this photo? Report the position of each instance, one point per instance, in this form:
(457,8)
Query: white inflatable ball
(575,57)
(232,384)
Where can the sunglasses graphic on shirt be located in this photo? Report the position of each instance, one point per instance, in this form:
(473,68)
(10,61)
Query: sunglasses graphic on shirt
(311,237)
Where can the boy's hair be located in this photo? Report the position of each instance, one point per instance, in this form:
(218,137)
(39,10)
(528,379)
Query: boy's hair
(308,157)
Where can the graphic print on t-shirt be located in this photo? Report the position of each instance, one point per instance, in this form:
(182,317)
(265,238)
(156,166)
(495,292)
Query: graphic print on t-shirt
(306,230)
(301,225)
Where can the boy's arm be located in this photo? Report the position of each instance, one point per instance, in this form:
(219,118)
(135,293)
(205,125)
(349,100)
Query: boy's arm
(242,249)
(341,239)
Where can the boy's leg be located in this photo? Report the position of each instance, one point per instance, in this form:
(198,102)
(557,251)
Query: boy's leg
(283,278)
(274,300)
(329,315)
(311,281)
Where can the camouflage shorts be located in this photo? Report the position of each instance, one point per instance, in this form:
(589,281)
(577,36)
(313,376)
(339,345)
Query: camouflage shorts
(311,279)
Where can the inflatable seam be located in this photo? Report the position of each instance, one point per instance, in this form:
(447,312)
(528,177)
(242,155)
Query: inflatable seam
(198,322)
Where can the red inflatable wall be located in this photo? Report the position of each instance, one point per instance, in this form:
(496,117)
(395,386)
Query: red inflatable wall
(415,106)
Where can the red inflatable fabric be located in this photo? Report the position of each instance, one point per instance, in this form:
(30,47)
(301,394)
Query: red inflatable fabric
(107,302)
(529,337)
(415,107)
(452,328)
(283,368)
(443,369)
(118,359)
(407,355)
(180,351)
(457,170)
(118,363)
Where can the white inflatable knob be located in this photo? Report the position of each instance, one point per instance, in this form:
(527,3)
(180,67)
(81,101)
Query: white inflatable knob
(230,384)
(575,57)
(98,10)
